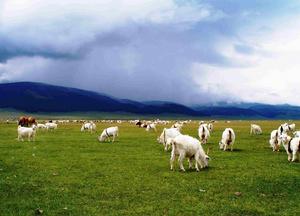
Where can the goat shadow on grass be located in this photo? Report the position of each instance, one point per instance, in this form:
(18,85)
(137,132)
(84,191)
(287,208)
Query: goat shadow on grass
(193,170)
(228,150)
(269,148)
(234,150)
(107,142)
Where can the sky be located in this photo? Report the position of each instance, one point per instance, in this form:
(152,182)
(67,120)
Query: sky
(185,51)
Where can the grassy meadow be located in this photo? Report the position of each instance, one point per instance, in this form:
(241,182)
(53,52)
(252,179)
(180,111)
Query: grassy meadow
(67,172)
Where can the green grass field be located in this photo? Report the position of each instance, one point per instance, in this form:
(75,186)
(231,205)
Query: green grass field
(67,172)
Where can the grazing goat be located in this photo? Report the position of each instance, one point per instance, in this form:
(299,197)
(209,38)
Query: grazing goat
(255,129)
(41,126)
(166,134)
(291,127)
(90,126)
(109,132)
(275,136)
(177,125)
(210,127)
(228,138)
(51,125)
(274,140)
(291,146)
(151,126)
(284,128)
(296,134)
(187,146)
(203,133)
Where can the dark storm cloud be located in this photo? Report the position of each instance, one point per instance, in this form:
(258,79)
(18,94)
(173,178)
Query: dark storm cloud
(146,52)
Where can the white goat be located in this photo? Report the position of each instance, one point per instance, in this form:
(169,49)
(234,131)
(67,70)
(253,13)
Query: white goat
(178,125)
(151,126)
(90,126)
(51,125)
(284,128)
(210,127)
(255,129)
(41,126)
(166,134)
(109,132)
(203,133)
(296,134)
(274,140)
(291,127)
(28,132)
(291,146)
(228,138)
(187,146)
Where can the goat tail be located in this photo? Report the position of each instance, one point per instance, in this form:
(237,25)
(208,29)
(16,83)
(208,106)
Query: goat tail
(281,129)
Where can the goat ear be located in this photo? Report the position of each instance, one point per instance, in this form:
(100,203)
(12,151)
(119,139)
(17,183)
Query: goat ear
(281,129)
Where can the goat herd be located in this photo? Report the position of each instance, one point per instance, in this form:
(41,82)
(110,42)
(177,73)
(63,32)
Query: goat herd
(183,146)
(27,127)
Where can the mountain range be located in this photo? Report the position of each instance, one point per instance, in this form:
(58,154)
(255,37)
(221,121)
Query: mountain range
(38,97)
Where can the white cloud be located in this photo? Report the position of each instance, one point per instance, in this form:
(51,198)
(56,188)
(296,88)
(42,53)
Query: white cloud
(126,48)
(64,26)
(22,68)
(187,51)
(268,75)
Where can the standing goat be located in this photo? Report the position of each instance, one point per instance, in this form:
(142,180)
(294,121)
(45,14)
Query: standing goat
(28,132)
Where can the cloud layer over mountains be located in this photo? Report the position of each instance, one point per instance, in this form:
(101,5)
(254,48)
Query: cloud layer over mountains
(192,52)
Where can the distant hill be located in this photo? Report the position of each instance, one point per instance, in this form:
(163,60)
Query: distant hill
(252,110)
(39,97)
